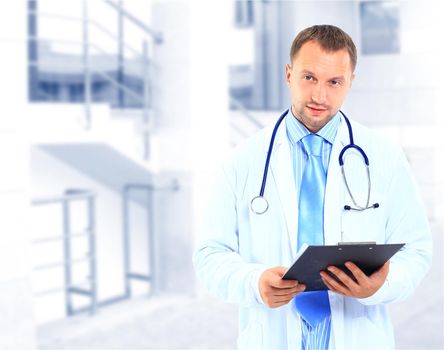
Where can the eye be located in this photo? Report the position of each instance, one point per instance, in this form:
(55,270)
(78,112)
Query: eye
(308,77)
(335,82)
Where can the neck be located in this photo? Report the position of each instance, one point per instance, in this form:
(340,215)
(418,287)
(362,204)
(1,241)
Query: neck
(301,120)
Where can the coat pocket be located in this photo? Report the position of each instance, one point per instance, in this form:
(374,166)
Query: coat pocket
(365,335)
(366,225)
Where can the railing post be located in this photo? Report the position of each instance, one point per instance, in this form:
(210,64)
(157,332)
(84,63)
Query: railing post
(146,100)
(93,253)
(86,67)
(33,88)
(151,241)
(120,60)
(67,256)
(126,253)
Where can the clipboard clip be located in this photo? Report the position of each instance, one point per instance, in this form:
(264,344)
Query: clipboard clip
(357,243)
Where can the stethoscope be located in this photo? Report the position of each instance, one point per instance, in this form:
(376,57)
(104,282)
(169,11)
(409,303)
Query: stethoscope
(259,204)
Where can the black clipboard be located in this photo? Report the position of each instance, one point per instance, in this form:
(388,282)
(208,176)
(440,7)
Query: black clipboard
(311,260)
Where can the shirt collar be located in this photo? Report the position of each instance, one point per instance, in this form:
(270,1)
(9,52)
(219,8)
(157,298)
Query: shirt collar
(296,130)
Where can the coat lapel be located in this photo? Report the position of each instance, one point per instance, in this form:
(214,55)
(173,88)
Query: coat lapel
(334,191)
(281,166)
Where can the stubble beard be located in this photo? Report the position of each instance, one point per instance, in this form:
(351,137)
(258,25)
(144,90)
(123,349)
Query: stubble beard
(302,117)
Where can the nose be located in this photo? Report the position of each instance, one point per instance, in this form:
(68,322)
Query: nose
(319,94)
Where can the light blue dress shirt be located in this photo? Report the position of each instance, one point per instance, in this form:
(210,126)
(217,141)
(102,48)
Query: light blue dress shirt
(296,131)
(318,337)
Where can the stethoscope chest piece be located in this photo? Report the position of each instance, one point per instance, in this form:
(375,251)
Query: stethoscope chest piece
(259,205)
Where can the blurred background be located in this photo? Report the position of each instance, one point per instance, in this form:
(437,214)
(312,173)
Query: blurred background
(114,115)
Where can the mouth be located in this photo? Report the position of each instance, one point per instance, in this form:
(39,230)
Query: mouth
(316,109)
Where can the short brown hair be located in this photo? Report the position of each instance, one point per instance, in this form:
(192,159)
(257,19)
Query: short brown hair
(329,37)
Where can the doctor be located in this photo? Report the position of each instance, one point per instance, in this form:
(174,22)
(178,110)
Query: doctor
(307,199)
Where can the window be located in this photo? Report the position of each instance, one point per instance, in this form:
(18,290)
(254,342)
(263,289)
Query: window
(243,13)
(380,27)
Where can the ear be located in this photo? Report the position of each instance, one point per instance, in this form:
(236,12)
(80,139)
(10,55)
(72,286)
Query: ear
(351,80)
(287,73)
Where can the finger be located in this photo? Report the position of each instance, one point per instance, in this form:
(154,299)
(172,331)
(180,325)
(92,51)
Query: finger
(343,277)
(334,289)
(280,283)
(342,290)
(298,285)
(385,268)
(360,276)
(280,302)
(333,285)
(274,306)
(283,300)
(382,272)
(288,291)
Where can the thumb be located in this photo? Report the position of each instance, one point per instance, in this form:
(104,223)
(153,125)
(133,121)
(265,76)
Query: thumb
(279,270)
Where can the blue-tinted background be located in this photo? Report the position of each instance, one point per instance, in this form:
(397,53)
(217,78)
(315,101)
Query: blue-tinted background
(115,115)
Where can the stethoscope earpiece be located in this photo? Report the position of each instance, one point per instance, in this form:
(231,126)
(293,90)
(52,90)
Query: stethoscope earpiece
(374,206)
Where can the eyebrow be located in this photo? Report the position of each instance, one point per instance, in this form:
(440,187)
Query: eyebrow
(305,71)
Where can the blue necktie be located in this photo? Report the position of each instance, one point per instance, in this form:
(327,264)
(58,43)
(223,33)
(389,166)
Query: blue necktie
(314,307)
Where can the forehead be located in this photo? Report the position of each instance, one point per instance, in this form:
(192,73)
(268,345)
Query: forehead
(312,57)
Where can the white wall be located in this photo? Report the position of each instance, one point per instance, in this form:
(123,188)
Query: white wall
(402,95)
(17,329)
(191,114)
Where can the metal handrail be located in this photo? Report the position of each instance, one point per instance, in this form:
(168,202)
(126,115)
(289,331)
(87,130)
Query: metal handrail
(121,86)
(238,129)
(144,98)
(173,186)
(61,238)
(128,274)
(246,113)
(60,289)
(55,264)
(158,38)
(68,261)
(62,198)
(77,43)
(113,36)
(59,41)
(137,96)
(55,16)
(80,20)
(109,78)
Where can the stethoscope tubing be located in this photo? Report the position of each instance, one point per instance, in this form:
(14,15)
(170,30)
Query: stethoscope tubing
(270,149)
(341,164)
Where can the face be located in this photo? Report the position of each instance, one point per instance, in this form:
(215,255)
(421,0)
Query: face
(319,82)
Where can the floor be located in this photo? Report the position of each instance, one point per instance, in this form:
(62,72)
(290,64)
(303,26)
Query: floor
(158,323)
(177,323)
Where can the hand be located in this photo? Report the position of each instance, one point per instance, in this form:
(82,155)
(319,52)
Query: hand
(363,287)
(275,291)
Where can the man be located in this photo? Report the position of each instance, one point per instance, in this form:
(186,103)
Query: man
(244,255)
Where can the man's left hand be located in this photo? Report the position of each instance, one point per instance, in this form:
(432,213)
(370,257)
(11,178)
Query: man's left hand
(364,286)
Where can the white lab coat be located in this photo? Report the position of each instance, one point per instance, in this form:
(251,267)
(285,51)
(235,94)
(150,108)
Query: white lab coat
(239,245)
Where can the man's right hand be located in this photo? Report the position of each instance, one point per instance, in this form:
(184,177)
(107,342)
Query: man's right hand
(275,291)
